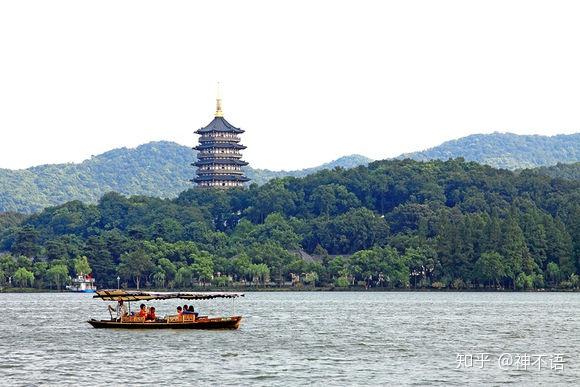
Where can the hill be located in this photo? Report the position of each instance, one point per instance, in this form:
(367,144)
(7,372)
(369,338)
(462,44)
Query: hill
(561,171)
(160,169)
(393,223)
(506,150)
(261,176)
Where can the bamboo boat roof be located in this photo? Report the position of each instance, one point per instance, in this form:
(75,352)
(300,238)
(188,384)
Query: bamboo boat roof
(138,295)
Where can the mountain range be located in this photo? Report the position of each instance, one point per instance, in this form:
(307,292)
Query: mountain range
(163,168)
(507,150)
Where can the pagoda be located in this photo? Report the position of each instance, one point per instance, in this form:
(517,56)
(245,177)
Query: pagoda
(219,161)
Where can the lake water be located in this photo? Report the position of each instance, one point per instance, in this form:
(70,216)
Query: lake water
(294,338)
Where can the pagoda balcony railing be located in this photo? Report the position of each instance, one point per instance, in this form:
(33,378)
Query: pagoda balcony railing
(202,155)
(216,139)
(219,171)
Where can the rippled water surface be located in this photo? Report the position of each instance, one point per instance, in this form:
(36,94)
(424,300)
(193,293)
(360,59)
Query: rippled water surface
(295,338)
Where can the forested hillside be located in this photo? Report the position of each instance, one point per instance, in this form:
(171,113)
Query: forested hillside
(392,224)
(507,150)
(562,171)
(161,169)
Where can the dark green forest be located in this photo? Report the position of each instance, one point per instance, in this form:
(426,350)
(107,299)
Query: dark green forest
(563,171)
(391,224)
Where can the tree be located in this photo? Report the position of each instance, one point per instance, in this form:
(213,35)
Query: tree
(168,268)
(241,265)
(514,249)
(82,266)
(260,273)
(490,268)
(277,229)
(421,262)
(58,274)
(332,199)
(40,270)
(135,265)
(311,278)
(26,242)
(202,267)
(8,265)
(102,262)
(553,272)
(23,277)
(159,279)
(183,276)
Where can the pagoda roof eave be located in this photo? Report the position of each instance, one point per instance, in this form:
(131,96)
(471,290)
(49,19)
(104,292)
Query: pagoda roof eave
(219,124)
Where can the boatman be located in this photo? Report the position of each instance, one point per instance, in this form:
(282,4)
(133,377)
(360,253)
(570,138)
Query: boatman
(121,310)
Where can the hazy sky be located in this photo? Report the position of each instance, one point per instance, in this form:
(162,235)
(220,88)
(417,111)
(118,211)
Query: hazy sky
(309,81)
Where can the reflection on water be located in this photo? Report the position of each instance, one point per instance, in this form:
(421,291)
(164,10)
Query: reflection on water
(295,338)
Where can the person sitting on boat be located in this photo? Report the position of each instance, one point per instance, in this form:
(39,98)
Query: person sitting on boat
(120,309)
(179,311)
(191,310)
(185,307)
(142,311)
(151,315)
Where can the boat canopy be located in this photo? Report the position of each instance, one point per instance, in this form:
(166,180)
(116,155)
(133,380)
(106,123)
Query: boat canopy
(138,295)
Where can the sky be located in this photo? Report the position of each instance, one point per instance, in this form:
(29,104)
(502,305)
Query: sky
(309,81)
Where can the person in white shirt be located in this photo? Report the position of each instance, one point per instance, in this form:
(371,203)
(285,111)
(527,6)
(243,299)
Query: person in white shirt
(120,310)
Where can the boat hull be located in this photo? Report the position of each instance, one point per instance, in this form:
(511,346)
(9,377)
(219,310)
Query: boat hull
(210,323)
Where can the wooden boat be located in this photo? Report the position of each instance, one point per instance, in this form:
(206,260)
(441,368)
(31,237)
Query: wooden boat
(185,321)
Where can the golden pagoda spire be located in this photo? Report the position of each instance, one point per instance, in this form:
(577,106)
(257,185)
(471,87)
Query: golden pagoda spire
(218,108)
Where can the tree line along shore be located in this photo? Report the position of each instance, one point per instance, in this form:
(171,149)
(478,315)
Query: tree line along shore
(395,224)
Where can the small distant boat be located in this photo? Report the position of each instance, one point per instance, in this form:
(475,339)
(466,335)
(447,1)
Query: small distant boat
(184,321)
(83,284)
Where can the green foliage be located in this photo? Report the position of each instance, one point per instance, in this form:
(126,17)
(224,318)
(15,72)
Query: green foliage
(183,276)
(311,278)
(135,265)
(82,266)
(161,169)
(395,224)
(23,277)
(507,150)
(342,282)
(490,268)
(562,171)
(58,275)
(202,266)
(159,279)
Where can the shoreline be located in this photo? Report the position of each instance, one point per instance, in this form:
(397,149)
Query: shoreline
(307,289)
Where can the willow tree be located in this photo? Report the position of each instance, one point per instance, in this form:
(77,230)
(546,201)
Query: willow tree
(23,277)
(58,274)
(82,266)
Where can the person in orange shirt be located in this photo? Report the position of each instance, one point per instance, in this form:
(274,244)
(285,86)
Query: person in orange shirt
(142,311)
(151,314)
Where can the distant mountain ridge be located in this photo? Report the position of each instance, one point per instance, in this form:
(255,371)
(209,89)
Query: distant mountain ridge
(507,150)
(163,168)
(159,168)
(260,176)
